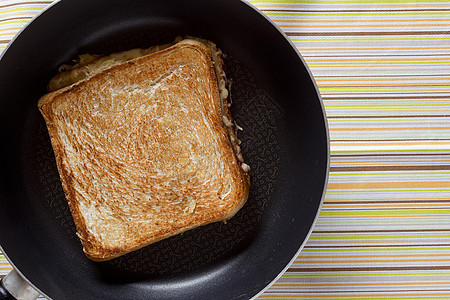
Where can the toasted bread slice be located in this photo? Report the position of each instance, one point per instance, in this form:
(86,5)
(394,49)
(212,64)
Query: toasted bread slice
(146,148)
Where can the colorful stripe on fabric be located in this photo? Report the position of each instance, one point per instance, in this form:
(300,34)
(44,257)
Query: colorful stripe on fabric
(383,70)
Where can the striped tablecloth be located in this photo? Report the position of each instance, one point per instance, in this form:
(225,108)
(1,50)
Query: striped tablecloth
(383,69)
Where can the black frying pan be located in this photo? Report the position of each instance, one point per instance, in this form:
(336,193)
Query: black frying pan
(285,141)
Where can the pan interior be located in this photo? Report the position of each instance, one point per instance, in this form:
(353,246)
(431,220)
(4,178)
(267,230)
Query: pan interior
(284,141)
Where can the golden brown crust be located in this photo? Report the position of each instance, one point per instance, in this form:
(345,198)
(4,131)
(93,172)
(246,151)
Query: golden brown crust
(143,152)
(88,65)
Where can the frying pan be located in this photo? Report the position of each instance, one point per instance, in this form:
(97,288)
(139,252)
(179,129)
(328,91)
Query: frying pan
(285,141)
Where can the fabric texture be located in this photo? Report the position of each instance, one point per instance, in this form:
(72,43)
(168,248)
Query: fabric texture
(383,71)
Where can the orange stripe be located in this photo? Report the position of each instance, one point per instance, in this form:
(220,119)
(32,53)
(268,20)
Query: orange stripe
(14,28)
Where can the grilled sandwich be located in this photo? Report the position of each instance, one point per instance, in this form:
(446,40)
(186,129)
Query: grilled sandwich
(145,145)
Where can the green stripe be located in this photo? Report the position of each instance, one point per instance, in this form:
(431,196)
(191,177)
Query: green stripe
(13,22)
(28,8)
(390,236)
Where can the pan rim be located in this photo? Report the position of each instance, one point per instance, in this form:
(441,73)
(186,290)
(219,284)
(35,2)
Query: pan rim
(16,36)
(326,126)
(324,189)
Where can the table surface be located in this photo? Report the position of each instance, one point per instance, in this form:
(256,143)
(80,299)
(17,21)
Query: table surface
(383,70)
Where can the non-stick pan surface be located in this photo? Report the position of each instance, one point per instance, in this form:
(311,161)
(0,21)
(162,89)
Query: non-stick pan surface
(285,141)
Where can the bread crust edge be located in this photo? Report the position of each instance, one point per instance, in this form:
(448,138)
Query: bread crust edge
(91,248)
